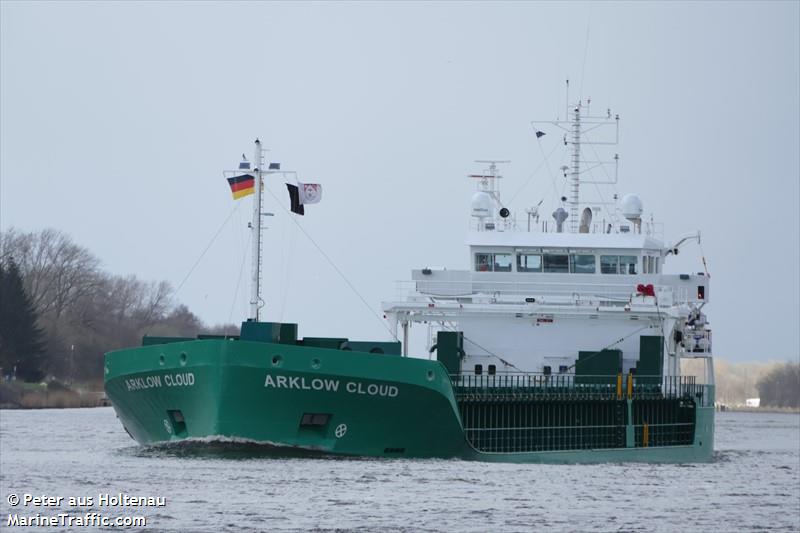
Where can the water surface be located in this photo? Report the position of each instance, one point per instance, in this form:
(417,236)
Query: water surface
(753,484)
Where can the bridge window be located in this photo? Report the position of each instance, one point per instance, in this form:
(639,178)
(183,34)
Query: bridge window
(483,262)
(650,265)
(618,264)
(609,264)
(502,262)
(493,262)
(581,264)
(628,264)
(529,263)
(556,263)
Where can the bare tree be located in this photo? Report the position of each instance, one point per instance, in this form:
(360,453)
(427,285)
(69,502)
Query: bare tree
(57,271)
(154,304)
(85,311)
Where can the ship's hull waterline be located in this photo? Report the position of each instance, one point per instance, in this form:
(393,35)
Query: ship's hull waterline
(331,401)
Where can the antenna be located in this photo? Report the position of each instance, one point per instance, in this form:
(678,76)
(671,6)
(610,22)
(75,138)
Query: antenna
(486,201)
(579,122)
(533,212)
(566,102)
(488,183)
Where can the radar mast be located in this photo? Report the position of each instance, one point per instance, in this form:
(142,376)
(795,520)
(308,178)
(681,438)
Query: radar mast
(580,122)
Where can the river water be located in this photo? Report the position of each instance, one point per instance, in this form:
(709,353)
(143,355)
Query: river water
(753,484)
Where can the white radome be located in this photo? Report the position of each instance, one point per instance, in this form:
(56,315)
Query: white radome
(631,207)
(481,205)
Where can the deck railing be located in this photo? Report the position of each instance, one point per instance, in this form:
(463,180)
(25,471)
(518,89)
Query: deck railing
(651,229)
(618,293)
(532,386)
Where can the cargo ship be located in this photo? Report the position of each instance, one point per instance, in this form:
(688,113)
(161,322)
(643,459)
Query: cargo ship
(562,341)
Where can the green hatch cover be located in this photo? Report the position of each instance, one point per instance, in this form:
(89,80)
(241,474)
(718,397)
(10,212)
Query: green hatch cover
(274,332)
(598,367)
(450,350)
(651,359)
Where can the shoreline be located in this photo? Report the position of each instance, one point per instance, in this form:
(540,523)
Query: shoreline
(30,396)
(15,407)
(765,410)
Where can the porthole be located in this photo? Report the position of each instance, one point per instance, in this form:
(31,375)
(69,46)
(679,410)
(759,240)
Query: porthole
(315,363)
(430,375)
(183,358)
(162,359)
(277,360)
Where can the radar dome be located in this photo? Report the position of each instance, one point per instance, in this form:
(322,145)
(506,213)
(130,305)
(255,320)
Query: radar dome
(481,205)
(631,206)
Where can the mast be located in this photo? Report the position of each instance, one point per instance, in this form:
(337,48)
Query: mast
(575,180)
(255,282)
(576,126)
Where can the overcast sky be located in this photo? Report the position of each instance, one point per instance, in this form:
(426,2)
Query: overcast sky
(117,119)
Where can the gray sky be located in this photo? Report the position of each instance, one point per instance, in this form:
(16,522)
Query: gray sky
(116,120)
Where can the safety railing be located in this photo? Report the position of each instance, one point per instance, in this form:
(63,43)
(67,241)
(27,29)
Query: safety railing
(618,294)
(517,386)
(651,229)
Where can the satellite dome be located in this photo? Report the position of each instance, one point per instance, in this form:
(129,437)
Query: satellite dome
(631,206)
(481,205)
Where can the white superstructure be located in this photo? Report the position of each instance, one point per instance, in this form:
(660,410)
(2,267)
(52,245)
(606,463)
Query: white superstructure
(537,293)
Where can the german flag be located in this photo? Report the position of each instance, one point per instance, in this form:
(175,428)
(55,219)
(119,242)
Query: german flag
(242,186)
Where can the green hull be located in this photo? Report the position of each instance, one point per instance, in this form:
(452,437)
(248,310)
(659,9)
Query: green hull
(328,400)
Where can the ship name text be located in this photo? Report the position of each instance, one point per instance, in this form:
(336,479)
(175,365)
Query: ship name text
(330,385)
(179,379)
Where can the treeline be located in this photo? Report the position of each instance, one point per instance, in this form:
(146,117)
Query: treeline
(777,384)
(780,387)
(60,312)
